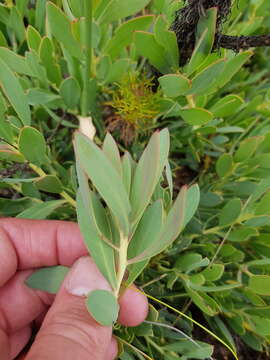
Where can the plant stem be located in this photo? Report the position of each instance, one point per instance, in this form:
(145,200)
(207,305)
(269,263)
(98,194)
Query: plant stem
(87,41)
(64,195)
(122,262)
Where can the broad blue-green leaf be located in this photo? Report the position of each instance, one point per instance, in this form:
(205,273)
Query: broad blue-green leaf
(14,92)
(147,46)
(110,149)
(101,252)
(42,210)
(203,81)
(190,261)
(148,230)
(103,306)
(173,225)
(127,171)
(247,148)
(224,165)
(192,202)
(134,270)
(148,172)
(119,9)
(48,61)
(260,284)
(167,39)
(33,38)
(230,213)
(214,272)
(196,116)
(16,24)
(191,350)
(70,91)
(49,183)
(117,71)
(227,106)
(205,36)
(14,61)
(174,85)
(37,96)
(104,177)
(123,35)
(60,27)
(32,145)
(232,66)
(48,279)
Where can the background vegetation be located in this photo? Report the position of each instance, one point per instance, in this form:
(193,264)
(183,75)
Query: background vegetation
(127,76)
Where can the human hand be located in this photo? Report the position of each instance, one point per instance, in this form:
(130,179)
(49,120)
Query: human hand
(67,330)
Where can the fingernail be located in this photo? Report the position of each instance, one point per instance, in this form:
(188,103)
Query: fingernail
(85,277)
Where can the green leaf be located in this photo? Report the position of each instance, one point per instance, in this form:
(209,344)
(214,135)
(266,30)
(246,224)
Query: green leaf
(14,92)
(148,172)
(110,149)
(205,36)
(103,306)
(127,171)
(134,270)
(247,148)
(37,96)
(214,272)
(260,325)
(147,46)
(208,305)
(174,85)
(204,80)
(33,38)
(192,203)
(60,27)
(224,165)
(173,225)
(260,284)
(232,66)
(167,39)
(230,213)
(148,230)
(16,24)
(42,210)
(242,234)
(48,279)
(15,62)
(117,71)
(227,106)
(104,177)
(49,183)
(32,145)
(123,35)
(191,350)
(263,207)
(258,221)
(71,92)
(47,59)
(190,261)
(119,9)
(91,229)
(196,116)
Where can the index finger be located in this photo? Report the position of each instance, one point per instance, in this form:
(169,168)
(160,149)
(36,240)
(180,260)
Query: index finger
(28,244)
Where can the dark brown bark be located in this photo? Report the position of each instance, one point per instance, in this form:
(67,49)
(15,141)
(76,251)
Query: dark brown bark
(237,43)
(186,21)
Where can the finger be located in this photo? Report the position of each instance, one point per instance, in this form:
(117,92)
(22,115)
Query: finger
(18,340)
(36,243)
(133,307)
(20,305)
(68,330)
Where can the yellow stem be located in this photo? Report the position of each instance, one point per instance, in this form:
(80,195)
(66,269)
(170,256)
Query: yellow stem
(64,194)
(190,100)
(122,262)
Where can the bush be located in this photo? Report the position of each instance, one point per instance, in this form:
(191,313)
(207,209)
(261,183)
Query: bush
(61,69)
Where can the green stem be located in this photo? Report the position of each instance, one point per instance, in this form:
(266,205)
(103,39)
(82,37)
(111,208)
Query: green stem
(122,262)
(87,41)
(64,195)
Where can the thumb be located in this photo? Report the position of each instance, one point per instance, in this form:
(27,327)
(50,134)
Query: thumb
(68,331)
